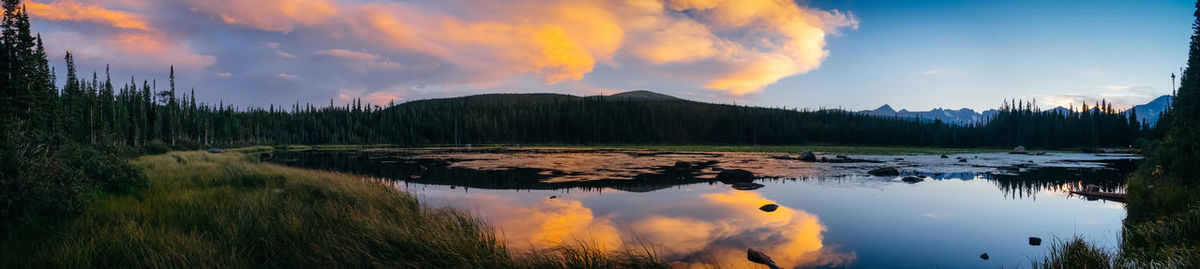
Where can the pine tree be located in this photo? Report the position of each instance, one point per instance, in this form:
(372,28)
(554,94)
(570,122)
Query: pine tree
(1183,136)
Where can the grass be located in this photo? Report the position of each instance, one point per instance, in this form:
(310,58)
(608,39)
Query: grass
(1169,242)
(230,211)
(1076,253)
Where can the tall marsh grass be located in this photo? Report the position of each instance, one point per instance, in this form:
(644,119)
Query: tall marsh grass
(229,210)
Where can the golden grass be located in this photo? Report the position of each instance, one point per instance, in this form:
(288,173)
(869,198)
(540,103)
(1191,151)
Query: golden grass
(228,210)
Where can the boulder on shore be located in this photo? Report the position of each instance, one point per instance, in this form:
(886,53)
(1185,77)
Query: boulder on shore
(1019,150)
(885,171)
(808,156)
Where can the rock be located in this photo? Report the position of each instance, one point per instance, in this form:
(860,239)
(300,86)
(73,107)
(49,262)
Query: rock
(824,160)
(885,171)
(1018,150)
(911,179)
(984,256)
(746,186)
(215,150)
(808,156)
(1034,241)
(842,157)
(759,257)
(962,160)
(553,196)
(682,165)
(945,157)
(735,174)
(769,207)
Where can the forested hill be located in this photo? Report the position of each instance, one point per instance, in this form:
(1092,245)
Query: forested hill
(556,118)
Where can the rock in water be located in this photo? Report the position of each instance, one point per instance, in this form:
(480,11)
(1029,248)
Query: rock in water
(1018,150)
(769,207)
(962,160)
(735,175)
(984,256)
(945,157)
(885,171)
(682,165)
(758,257)
(911,179)
(1034,241)
(808,156)
(746,186)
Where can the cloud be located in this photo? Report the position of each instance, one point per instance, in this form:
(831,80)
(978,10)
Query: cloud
(730,48)
(1121,96)
(349,54)
(75,11)
(737,47)
(940,71)
(286,76)
(224,74)
(113,36)
(270,15)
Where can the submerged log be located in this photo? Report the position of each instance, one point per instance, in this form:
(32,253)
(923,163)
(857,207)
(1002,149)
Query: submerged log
(1107,196)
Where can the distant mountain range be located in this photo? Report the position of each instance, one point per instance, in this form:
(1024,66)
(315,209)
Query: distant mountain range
(1146,112)
(962,116)
(1149,112)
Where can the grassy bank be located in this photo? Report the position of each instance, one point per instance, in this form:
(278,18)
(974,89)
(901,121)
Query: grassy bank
(229,210)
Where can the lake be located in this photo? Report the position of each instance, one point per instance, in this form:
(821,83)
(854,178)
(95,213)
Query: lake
(833,213)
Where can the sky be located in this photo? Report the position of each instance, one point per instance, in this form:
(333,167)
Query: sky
(814,54)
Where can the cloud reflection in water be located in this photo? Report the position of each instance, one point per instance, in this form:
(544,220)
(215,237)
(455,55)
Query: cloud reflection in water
(696,232)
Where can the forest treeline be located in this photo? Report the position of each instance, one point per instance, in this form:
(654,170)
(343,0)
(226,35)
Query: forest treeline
(93,110)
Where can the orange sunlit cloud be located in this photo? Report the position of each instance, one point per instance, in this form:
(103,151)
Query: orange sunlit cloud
(270,15)
(559,41)
(75,11)
(131,36)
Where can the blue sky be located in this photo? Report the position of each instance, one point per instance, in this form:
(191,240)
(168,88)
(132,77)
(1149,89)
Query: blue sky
(977,53)
(819,54)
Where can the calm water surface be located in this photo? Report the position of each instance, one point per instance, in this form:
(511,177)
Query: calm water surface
(831,214)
